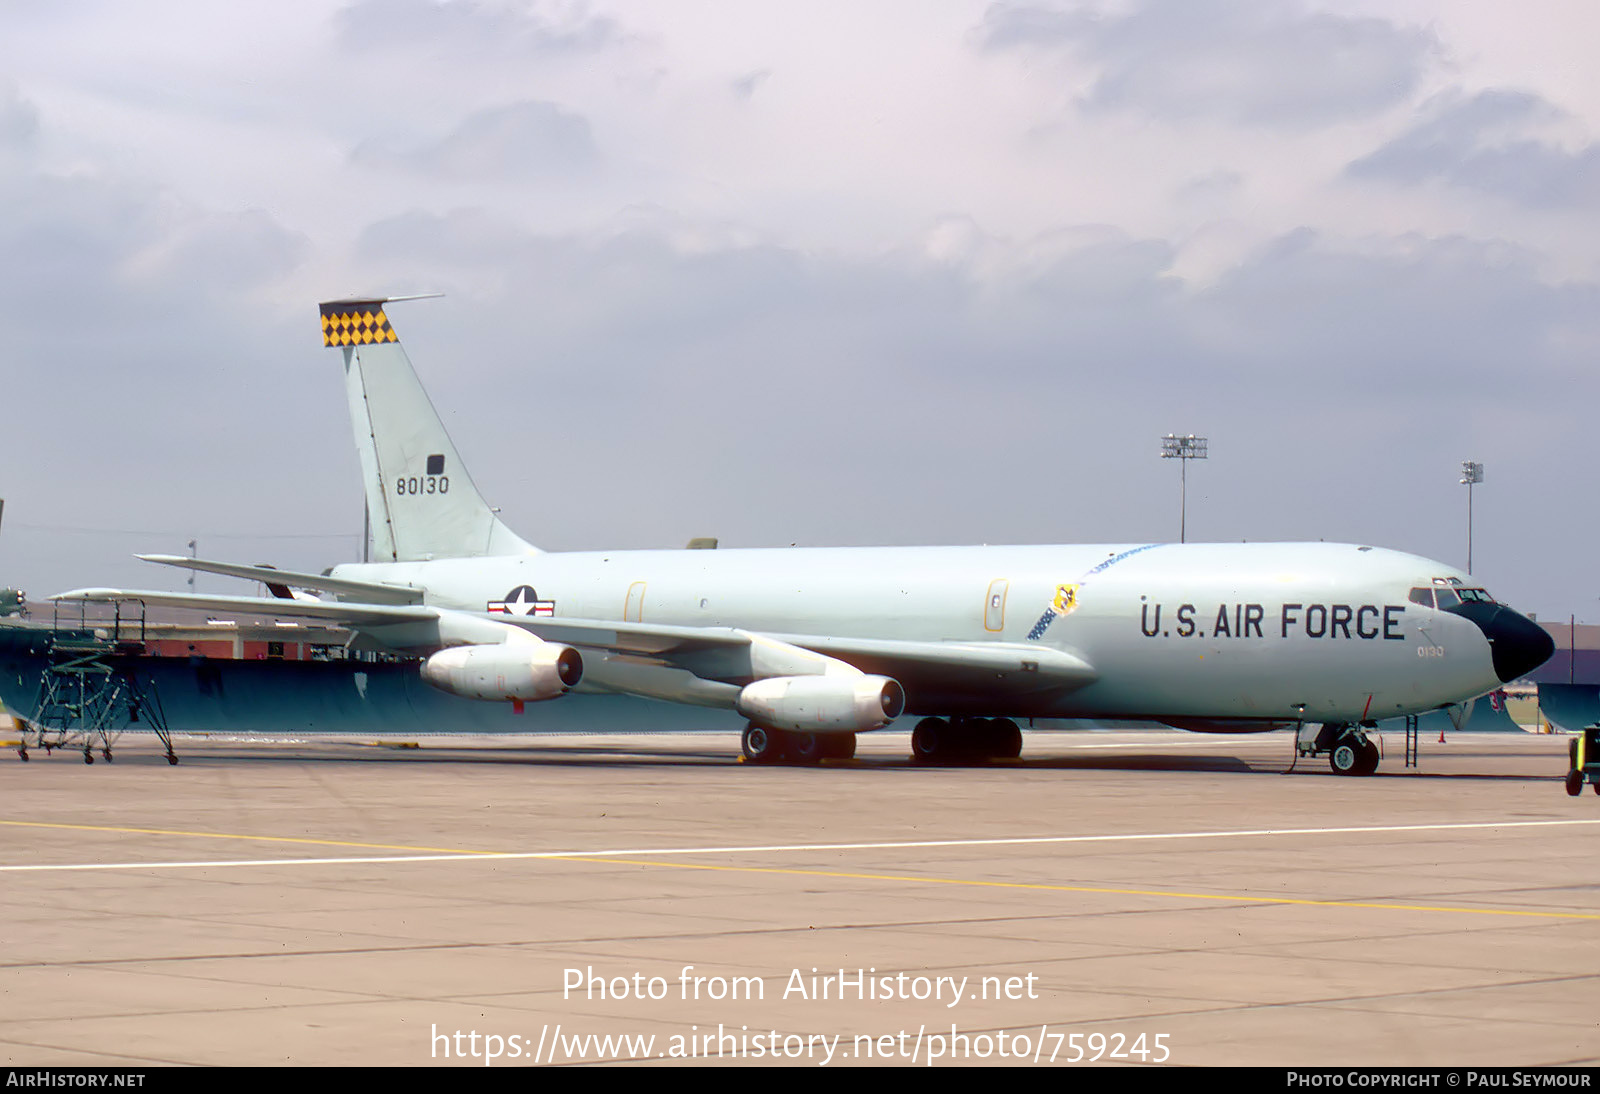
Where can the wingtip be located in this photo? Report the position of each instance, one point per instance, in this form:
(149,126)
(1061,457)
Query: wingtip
(84,594)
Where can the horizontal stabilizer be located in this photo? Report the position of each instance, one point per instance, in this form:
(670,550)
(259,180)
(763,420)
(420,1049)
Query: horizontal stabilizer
(365,591)
(355,615)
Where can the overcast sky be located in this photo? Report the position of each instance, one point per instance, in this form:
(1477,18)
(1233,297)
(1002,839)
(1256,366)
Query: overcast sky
(819,273)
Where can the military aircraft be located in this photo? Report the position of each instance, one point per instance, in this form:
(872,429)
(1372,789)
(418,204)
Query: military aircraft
(812,646)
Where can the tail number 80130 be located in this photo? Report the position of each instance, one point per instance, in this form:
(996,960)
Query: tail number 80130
(426,484)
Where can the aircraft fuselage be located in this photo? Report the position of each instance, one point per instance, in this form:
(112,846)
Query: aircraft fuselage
(1268,631)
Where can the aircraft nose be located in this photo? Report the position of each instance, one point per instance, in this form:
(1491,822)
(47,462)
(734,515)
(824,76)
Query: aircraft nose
(1518,644)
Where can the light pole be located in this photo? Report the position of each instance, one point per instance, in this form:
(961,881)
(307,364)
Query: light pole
(1471,475)
(1183,449)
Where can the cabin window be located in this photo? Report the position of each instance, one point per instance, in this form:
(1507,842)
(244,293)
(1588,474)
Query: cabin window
(1423,596)
(1447,599)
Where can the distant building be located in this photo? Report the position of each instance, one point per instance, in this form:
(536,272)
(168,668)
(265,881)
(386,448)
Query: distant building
(1577,656)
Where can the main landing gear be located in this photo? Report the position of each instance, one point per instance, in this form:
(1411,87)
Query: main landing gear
(1349,750)
(958,740)
(762,745)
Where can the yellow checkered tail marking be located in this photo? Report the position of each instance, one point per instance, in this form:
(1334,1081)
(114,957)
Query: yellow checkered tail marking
(355,323)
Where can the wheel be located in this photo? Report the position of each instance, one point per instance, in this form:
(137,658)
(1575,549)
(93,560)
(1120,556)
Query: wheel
(806,748)
(1575,783)
(107,755)
(23,753)
(1007,740)
(1368,760)
(839,746)
(759,744)
(929,741)
(1345,756)
(981,741)
(1596,787)
(172,759)
(88,757)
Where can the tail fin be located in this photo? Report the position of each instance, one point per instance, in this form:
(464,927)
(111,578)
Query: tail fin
(422,501)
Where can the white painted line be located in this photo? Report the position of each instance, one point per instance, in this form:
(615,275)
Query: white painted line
(898,845)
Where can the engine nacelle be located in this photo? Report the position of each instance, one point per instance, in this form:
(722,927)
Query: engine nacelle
(823,704)
(520,671)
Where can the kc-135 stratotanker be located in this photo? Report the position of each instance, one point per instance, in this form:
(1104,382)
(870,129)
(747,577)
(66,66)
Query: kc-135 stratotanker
(813,646)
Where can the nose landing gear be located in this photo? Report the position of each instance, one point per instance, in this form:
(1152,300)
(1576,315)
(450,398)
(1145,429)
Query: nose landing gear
(1348,748)
(1583,757)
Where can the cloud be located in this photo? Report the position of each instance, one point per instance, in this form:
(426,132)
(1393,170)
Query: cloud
(144,327)
(746,86)
(1490,142)
(1437,320)
(1253,62)
(19,119)
(976,389)
(522,141)
(772,394)
(479,27)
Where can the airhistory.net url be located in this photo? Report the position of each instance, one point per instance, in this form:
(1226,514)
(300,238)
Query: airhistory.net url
(1035,1046)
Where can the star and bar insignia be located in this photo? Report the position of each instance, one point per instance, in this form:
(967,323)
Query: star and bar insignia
(523,601)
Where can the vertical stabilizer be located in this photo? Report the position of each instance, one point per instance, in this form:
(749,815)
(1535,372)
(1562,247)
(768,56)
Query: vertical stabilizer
(422,502)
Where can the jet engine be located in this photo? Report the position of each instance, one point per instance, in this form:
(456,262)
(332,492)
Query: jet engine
(823,704)
(526,670)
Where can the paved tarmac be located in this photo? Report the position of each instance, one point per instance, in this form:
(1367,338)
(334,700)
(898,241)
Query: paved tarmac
(1136,897)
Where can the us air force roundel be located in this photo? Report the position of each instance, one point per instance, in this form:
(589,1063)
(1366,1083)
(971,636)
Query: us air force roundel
(523,601)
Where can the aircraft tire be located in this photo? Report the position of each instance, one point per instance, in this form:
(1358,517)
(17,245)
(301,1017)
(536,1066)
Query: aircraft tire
(1370,756)
(1574,783)
(1345,756)
(839,746)
(761,745)
(981,741)
(805,748)
(1008,740)
(930,741)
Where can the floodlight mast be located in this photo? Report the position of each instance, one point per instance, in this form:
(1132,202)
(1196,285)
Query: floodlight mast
(1471,475)
(1183,449)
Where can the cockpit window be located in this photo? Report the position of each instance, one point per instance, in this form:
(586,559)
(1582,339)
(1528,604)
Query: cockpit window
(1447,599)
(1423,596)
(1479,595)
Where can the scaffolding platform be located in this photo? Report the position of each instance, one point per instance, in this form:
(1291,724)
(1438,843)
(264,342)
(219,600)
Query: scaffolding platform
(89,693)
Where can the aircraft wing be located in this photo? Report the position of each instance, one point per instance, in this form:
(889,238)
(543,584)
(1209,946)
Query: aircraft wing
(943,666)
(381,620)
(724,654)
(718,656)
